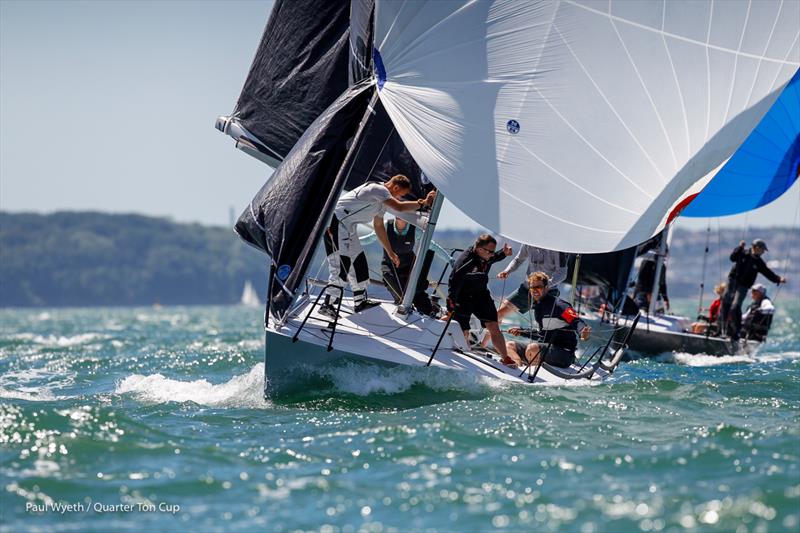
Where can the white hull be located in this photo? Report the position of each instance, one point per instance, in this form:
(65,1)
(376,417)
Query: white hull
(379,336)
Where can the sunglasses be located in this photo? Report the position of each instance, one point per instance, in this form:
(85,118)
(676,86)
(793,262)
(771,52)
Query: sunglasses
(537,287)
(486,249)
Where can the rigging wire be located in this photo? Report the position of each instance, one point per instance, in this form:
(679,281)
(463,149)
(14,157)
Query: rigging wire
(785,263)
(703,277)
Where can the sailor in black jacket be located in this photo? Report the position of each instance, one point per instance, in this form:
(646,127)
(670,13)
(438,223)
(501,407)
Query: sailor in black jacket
(468,290)
(559,327)
(747,264)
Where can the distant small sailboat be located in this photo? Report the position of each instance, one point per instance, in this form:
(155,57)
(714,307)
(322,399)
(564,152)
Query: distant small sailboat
(250,296)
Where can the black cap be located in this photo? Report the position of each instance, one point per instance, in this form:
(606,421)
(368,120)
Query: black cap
(761,244)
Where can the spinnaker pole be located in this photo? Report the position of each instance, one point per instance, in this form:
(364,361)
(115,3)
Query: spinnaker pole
(422,248)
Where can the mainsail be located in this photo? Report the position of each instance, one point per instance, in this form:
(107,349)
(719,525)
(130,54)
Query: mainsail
(575,125)
(300,68)
(765,167)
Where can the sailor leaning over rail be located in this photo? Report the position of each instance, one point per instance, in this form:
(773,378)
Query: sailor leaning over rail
(558,327)
(346,259)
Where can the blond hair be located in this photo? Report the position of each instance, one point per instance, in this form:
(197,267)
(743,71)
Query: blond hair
(539,276)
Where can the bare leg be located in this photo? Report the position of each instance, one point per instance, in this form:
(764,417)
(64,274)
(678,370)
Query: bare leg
(506,308)
(532,353)
(498,340)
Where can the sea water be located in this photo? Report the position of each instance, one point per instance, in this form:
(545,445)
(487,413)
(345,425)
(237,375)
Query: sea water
(154,419)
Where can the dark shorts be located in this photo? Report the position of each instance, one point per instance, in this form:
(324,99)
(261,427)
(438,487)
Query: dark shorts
(522,300)
(479,304)
(560,357)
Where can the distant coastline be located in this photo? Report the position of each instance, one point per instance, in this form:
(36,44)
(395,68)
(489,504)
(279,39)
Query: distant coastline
(79,259)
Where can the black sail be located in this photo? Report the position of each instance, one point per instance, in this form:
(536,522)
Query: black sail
(611,270)
(383,154)
(280,220)
(300,68)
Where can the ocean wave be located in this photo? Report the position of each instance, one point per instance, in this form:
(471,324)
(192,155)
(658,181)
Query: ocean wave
(58,340)
(245,390)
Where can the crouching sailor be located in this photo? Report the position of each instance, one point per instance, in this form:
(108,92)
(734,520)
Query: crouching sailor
(558,327)
(758,317)
(346,259)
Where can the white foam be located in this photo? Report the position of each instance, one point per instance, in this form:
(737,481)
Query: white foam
(28,394)
(246,390)
(34,384)
(701,360)
(362,380)
(58,341)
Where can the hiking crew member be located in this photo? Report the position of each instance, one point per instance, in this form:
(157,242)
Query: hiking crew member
(469,290)
(758,318)
(364,204)
(558,327)
(747,264)
(554,264)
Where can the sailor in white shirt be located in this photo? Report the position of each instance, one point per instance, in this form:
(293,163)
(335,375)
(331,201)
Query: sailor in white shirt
(346,259)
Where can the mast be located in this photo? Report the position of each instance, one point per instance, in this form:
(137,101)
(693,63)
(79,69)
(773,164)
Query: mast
(422,247)
(575,279)
(662,252)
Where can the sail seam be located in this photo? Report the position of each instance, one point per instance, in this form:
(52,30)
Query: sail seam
(682,38)
(680,98)
(708,70)
(565,178)
(789,51)
(554,217)
(766,47)
(609,104)
(649,96)
(590,145)
(736,65)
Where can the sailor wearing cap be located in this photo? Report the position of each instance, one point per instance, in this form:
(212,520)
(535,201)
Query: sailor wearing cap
(747,264)
(758,317)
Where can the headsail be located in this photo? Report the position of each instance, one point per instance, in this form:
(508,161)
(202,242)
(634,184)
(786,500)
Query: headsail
(765,166)
(575,125)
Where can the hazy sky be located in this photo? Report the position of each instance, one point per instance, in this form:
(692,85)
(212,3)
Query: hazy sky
(110,106)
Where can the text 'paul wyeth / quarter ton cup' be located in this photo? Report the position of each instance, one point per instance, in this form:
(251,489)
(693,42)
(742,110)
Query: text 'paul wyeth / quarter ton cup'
(101,508)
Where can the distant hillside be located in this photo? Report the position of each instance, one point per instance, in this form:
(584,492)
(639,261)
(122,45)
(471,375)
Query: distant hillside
(85,258)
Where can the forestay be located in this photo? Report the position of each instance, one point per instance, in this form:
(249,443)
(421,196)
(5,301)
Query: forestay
(579,126)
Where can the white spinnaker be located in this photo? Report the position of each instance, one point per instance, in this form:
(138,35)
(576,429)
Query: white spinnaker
(579,125)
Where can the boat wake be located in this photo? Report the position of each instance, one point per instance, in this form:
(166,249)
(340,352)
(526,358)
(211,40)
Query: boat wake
(245,390)
(704,360)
